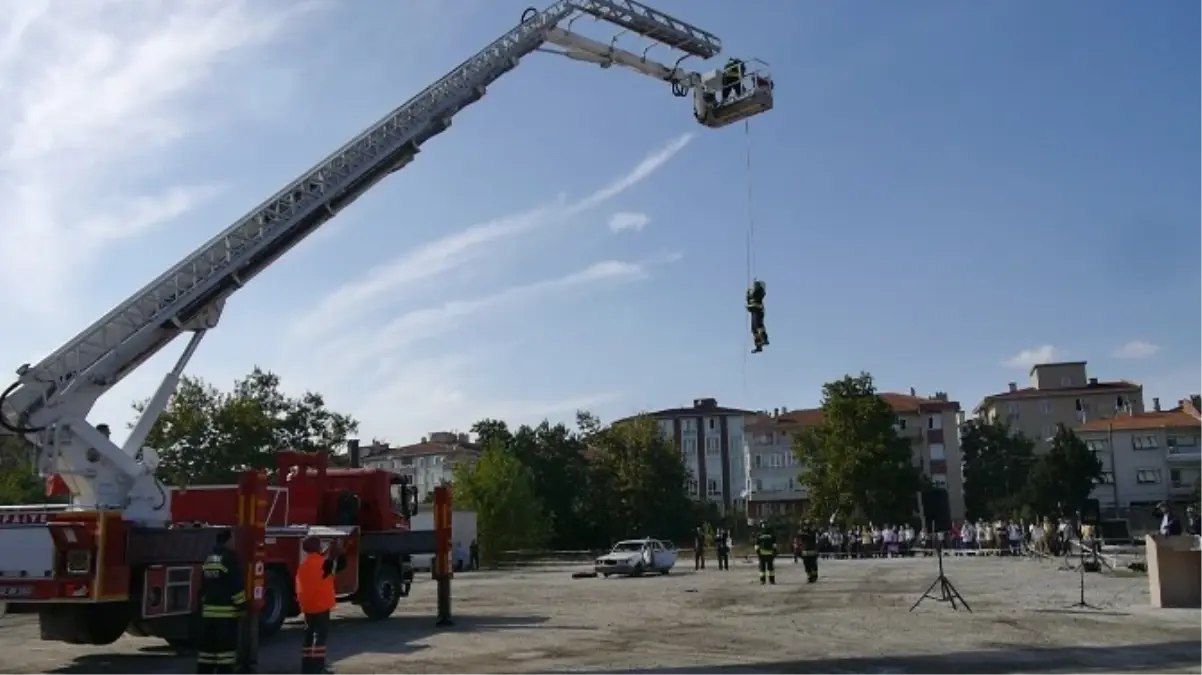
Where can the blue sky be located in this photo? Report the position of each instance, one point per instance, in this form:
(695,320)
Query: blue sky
(945,192)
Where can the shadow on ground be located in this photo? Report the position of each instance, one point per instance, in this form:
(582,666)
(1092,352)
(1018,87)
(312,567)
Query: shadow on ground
(1003,659)
(281,654)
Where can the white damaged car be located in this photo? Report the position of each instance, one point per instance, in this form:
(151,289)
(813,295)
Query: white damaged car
(636,557)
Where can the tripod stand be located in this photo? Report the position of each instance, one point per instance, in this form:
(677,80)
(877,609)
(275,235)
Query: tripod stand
(1080,603)
(947,592)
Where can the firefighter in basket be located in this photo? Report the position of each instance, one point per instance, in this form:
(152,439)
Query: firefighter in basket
(755,307)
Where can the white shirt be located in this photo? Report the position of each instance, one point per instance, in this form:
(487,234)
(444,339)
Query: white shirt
(967,532)
(890,536)
(1164,525)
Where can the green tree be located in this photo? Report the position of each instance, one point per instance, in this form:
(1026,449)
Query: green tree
(854,463)
(638,481)
(497,487)
(19,482)
(207,436)
(1063,479)
(996,464)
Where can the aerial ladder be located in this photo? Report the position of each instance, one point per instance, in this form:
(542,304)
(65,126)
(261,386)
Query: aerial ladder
(50,401)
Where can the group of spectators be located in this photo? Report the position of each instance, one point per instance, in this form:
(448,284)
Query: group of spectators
(1000,537)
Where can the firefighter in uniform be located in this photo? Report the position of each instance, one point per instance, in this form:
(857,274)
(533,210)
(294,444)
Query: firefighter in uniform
(222,601)
(765,550)
(808,540)
(732,78)
(755,307)
(315,595)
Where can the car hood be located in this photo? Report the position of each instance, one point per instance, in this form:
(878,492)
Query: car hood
(623,555)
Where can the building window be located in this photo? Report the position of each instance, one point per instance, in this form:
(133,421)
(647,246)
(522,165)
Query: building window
(1012,408)
(690,447)
(938,452)
(1107,478)
(1120,402)
(688,424)
(713,446)
(777,460)
(1175,478)
(1097,446)
(692,487)
(712,488)
(757,485)
(1147,476)
(901,424)
(1178,443)
(935,422)
(757,461)
(939,480)
(1046,407)
(1066,381)
(1144,442)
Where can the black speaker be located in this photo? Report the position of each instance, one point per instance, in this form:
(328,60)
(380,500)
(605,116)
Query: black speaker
(1091,513)
(937,509)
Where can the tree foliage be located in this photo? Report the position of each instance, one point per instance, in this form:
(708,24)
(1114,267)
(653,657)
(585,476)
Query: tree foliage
(207,436)
(854,463)
(19,482)
(498,488)
(996,464)
(596,484)
(1061,481)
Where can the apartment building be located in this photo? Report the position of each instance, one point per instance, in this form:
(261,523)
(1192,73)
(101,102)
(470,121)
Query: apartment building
(771,486)
(710,439)
(1146,457)
(1059,393)
(430,462)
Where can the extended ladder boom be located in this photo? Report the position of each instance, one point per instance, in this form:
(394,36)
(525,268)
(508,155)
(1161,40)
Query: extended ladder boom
(51,400)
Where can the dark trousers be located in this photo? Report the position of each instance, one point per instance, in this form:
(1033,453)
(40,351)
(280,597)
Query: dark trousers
(757,327)
(473,560)
(699,559)
(731,83)
(723,559)
(810,560)
(313,647)
(217,646)
(767,569)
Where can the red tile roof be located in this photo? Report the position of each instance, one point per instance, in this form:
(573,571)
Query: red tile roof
(1171,419)
(902,403)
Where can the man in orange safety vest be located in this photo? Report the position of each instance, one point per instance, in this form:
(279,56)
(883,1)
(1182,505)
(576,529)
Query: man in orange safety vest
(315,595)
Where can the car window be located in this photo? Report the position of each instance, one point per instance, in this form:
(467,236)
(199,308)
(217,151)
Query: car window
(628,547)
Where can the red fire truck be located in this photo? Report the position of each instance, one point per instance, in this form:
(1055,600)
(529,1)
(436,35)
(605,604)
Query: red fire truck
(106,576)
(123,555)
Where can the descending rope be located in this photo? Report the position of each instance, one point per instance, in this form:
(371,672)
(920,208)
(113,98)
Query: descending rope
(750,211)
(750,238)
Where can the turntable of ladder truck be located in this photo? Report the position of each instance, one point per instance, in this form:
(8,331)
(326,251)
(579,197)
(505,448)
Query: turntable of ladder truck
(125,554)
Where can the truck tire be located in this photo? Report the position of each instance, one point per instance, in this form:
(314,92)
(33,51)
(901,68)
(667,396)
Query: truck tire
(277,592)
(383,594)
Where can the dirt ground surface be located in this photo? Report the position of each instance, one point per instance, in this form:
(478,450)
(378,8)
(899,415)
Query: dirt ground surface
(854,619)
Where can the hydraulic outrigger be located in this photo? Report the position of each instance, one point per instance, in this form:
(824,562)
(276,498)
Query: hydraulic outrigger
(50,401)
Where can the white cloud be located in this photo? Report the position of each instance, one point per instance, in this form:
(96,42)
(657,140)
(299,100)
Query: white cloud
(443,255)
(620,222)
(93,97)
(357,350)
(1032,357)
(1136,349)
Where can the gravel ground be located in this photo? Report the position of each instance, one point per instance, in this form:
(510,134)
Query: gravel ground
(854,619)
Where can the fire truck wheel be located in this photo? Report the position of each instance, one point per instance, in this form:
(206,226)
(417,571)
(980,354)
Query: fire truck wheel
(276,592)
(384,593)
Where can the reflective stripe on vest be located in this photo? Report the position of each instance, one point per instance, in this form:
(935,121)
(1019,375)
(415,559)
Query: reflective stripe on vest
(313,593)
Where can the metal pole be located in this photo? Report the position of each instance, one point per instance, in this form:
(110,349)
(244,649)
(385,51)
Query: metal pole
(251,545)
(443,569)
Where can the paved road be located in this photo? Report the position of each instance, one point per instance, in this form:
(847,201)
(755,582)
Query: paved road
(854,620)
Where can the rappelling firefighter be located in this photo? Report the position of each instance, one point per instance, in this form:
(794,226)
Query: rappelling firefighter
(755,307)
(732,78)
(807,541)
(316,598)
(222,602)
(765,550)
